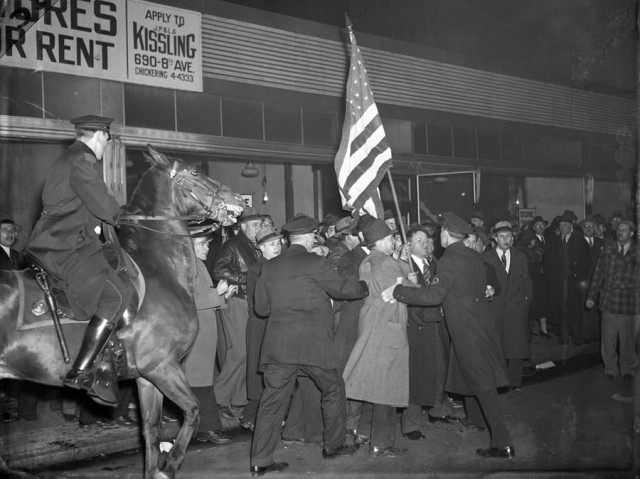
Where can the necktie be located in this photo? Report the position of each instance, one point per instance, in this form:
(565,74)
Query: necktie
(504,259)
(590,241)
(566,239)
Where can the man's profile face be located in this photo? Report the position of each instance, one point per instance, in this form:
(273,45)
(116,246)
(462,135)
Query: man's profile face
(271,249)
(8,234)
(250,228)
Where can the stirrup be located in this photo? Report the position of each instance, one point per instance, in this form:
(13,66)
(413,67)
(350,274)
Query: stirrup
(104,389)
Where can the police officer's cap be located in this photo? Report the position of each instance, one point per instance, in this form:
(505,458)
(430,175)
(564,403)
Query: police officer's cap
(92,122)
(301,226)
(455,224)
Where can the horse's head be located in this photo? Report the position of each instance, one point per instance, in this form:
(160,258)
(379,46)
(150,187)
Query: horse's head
(202,195)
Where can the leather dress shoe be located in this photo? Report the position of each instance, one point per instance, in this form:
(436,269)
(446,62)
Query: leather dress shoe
(226,413)
(126,421)
(214,437)
(387,451)
(628,377)
(497,452)
(415,435)
(443,419)
(343,450)
(359,439)
(262,470)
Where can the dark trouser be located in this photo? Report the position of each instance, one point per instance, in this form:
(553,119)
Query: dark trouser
(514,372)
(209,418)
(484,410)
(250,411)
(304,420)
(411,418)
(359,416)
(279,382)
(383,426)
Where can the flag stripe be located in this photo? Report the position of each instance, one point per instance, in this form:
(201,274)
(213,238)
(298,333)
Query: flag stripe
(364,154)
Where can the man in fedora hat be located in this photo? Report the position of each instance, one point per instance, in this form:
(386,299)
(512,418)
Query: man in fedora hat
(270,245)
(538,306)
(231,264)
(347,239)
(595,245)
(511,308)
(377,371)
(476,367)
(567,268)
(294,291)
(65,240)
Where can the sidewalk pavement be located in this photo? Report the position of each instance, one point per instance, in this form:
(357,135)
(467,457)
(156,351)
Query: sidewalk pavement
(50,440)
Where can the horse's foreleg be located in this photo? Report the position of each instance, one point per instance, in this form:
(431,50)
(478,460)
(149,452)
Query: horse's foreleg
(171,380)
(151,415)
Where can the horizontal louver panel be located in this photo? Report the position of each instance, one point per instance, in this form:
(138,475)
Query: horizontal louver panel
(259,55)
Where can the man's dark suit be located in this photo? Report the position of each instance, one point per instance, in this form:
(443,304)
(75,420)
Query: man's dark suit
(567,268)
(510,309)
(428,355)
(14,261)
(591,317)
(294,291)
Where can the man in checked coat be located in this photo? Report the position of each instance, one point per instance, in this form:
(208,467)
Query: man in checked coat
(511,307)
(616,285)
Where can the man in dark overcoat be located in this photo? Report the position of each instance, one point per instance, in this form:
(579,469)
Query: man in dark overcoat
(476,368)
(511,307)
(294,292)
(428,342)
(270,245)
(567,267)
(65,240)
(595,245)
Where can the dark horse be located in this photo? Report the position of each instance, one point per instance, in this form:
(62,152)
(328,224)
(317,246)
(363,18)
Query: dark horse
(166,324)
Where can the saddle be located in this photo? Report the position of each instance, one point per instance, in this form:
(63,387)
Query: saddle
(39,292)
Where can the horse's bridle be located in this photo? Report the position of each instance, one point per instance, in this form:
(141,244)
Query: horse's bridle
(187,185)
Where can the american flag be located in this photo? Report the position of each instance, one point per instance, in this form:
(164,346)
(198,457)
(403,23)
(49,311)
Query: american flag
(364,155)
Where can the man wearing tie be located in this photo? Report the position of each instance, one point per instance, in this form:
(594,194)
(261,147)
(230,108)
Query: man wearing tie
(9,257)
(591,316)
(511,308)
(567,268)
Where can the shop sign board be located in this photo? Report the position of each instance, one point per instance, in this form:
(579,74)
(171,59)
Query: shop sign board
(129,41)
(525,215)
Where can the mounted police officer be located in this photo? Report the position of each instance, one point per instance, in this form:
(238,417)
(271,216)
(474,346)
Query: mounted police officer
(65,240)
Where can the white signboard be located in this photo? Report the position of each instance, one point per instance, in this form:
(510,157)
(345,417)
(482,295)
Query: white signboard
(164,46)
(128,41)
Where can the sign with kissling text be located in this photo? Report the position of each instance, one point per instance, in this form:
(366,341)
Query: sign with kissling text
(129,41)
(164,46)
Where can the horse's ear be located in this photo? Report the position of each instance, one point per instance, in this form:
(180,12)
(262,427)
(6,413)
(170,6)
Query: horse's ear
(153,156)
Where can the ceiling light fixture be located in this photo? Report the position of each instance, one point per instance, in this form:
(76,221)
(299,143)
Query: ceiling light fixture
(250,170)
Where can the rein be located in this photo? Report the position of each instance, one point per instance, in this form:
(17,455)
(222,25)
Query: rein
(186,185)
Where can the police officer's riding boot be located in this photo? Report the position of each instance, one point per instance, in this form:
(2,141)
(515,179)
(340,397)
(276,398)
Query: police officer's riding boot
(95,337)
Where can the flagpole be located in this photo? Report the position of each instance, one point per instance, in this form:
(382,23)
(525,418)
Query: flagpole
(403,231)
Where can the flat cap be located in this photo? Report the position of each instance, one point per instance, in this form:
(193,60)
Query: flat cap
(376,230)
(249,214)
(301,226)
(455,224)
(92,122)
(502,226)
(265,235)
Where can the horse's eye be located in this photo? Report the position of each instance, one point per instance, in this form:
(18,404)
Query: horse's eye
(195,172)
